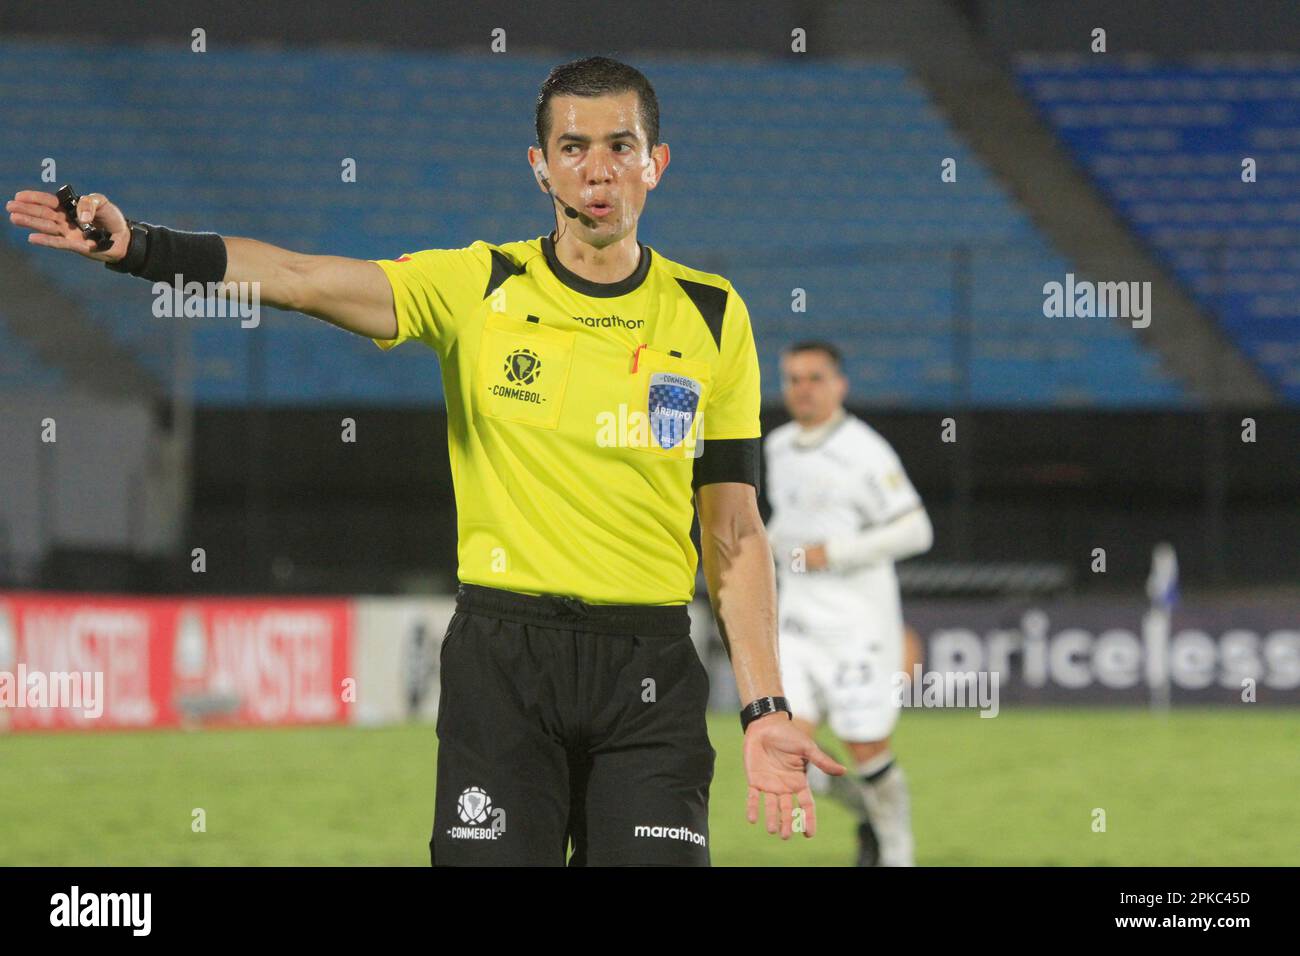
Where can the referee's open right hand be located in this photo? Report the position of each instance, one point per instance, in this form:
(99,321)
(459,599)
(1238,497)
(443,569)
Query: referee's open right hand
(40,212)
(777,754)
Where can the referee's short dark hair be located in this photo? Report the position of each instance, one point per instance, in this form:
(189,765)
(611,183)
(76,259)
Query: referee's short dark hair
(597,76)
(817,345)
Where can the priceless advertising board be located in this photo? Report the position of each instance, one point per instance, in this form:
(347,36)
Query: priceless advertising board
(1104,651)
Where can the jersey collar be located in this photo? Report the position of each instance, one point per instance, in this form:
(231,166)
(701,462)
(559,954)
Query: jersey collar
(601,290)
(805,439)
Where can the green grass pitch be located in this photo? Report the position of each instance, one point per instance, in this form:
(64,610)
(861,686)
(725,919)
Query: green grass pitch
(1191,789)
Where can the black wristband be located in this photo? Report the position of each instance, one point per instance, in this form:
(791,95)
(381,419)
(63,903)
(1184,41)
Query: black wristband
(166,253)
(761,708)
(136,250)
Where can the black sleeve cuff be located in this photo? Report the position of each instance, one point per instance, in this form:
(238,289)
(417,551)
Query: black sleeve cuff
(137,249)
(728,459)
(159,254)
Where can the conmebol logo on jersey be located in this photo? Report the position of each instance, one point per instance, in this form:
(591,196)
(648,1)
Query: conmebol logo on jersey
(483,821)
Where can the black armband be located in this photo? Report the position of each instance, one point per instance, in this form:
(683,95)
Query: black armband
(727,459)
(159,254)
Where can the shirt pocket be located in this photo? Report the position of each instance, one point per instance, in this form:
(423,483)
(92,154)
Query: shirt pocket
(523,370)
(670,393)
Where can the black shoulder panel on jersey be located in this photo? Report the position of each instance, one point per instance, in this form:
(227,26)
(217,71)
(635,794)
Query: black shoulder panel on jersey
(503,267)
(728,459)
(712,303)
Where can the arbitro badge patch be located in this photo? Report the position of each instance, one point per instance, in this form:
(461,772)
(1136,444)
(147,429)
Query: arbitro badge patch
(673,401)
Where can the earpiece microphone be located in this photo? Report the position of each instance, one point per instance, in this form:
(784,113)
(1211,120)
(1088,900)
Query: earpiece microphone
(568,210)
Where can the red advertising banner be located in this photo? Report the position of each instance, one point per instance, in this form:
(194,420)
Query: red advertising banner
(88,661)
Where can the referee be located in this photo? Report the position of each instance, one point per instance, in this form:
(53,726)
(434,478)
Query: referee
(598,396)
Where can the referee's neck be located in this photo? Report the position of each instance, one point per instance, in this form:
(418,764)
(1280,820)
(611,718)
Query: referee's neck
(611,263)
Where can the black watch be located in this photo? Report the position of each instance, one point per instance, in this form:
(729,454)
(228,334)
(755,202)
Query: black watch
(137,250)
(762,707)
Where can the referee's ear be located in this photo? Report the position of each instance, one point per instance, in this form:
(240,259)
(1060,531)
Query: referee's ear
(538,165)
(654,172)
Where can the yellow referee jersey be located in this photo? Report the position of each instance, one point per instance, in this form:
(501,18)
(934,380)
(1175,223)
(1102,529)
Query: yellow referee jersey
(581,414)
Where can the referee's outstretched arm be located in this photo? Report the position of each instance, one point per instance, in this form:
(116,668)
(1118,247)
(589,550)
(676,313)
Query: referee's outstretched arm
(351,293)
(738,568)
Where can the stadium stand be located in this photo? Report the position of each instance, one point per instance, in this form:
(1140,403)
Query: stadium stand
(434,137)
(1166,142)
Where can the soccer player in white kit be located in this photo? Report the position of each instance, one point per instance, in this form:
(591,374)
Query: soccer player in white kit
(843,511)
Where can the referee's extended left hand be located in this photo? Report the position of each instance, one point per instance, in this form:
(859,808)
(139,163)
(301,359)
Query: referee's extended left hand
(776,759)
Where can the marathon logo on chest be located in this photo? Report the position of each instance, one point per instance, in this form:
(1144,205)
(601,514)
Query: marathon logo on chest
(608,322)
(673,400)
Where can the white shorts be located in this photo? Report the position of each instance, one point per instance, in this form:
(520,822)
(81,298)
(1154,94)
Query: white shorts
(848,681)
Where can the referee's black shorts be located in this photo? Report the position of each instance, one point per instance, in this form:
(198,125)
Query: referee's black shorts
(562,721)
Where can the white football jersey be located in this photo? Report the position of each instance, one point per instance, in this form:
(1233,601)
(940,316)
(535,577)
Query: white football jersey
(851,480)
